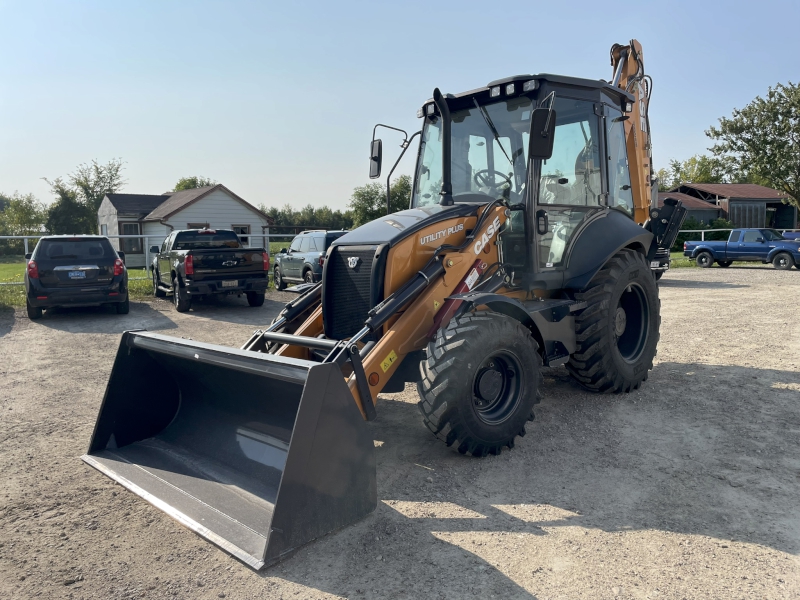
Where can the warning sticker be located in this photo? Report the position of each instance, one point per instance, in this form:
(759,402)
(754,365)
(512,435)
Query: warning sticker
(473,277)
(387,362)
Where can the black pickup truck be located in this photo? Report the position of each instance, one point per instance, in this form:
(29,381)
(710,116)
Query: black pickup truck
(201,262)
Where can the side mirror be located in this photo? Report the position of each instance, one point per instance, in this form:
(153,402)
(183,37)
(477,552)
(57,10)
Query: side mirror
(121,255)
(154,249)
(543,128)
(28,255)
(375,159)
(283,250)
(760,240)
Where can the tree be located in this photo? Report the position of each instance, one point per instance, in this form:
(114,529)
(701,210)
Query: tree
(67,214)
(368,202)
(93,181)
(23,215)
(765,136)
(192,183)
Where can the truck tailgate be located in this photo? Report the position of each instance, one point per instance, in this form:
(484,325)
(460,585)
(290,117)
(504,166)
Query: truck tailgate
(226,262)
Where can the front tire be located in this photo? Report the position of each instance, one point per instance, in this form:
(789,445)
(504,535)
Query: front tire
(783,261)
(277,280)
(617,333)
(704,260)
(182,303)
(724,263)
(479,383)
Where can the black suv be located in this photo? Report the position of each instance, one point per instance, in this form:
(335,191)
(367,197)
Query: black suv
(304,259)
(75,271)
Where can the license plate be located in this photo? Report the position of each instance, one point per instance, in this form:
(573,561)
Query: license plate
(654,264)
(77,275)
(230,283)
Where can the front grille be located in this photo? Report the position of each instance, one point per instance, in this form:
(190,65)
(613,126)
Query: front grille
(662,253)
(349,292)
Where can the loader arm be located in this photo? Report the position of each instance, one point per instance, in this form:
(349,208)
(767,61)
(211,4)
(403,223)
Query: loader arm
(629,75)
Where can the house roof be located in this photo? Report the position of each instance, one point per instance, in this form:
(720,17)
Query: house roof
(136,203)
(736,190)
(689,202)
(180,200)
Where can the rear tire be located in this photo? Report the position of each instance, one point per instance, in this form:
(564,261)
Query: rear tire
(123,308)
(34,312)
(704,260)
(308,276)
(255,299)
(480,382)
(182,303)
(783,261)
(157,292)
(724,263)
(277,280)
(617,333)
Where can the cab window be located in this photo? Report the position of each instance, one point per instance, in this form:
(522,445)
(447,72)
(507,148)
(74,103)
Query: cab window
(295,247)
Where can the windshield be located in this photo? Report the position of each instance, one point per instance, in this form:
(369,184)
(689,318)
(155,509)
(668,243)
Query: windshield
(205,240)
(771,235)
(489,145)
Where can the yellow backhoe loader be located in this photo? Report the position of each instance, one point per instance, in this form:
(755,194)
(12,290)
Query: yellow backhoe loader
(527,243)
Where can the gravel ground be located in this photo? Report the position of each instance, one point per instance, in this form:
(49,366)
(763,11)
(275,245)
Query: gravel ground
(687,488)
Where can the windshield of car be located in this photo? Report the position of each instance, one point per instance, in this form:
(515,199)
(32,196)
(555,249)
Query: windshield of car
(772,236)
(489,145)
(74,249)
(205,240)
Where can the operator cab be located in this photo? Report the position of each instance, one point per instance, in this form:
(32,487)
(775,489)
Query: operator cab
(489,134)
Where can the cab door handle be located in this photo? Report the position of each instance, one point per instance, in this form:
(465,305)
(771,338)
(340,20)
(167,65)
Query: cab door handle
(542,221)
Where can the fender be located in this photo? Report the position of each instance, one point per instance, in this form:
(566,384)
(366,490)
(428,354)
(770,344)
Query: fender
(598,241)
(552,322)
(698,249)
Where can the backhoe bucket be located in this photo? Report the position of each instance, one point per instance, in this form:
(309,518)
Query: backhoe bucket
(258,453)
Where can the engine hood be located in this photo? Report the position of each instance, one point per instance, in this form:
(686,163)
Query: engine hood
(393,228)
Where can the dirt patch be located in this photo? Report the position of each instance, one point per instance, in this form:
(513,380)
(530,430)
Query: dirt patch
(685,489)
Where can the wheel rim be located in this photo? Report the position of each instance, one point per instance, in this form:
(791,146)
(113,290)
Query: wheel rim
(703,260)
(631,323)
(175,292)
(496,388)
(309,278)
(782,261)
(277,277)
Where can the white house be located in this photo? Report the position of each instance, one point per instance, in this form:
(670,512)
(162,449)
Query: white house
(214,207)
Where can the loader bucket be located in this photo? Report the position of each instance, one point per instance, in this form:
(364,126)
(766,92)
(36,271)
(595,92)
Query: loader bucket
(257,453)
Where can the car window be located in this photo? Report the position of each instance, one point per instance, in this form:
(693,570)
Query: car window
(329,237)
(71,249)
(304,243)
(295,247)
(312,243)
(734,236)
(206,239)
(751,236)
(772,235)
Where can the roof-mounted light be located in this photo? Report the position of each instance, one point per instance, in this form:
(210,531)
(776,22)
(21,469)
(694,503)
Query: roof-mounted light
(429,109)
(494,92)
(529,86)
(509,89)
(419,113)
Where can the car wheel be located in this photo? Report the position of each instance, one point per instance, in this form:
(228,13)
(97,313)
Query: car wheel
(34,312)
(308,276)
(182,303)
(724,263)
(783,261)
(157,292)
(123,308)
(704,260)
(278,281)
(255,299)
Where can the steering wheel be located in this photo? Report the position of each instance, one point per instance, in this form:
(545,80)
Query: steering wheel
(482,179)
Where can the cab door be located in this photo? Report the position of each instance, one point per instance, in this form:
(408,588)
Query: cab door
(164,268)
(570,182)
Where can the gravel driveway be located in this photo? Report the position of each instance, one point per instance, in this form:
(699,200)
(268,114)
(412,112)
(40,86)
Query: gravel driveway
(688,488)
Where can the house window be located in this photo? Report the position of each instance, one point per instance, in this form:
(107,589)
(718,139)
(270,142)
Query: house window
(103,229)
(197,226)
(130,245)
(242,231)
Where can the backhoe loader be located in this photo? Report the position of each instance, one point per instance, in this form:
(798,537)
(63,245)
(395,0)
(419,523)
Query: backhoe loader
(527,243)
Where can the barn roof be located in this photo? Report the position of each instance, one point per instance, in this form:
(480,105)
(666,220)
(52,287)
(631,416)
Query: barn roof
(736,190)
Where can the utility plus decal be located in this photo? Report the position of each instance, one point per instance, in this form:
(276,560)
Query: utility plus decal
(493,228)
(441,234)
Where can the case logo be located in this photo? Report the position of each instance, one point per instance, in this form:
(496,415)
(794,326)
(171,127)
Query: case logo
(353,261)
(494,227)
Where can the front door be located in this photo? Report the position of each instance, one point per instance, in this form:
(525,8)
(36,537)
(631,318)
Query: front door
(570,182)
(164,268)
(753,246)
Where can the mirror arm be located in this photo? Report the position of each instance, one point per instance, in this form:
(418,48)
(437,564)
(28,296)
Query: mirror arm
(404,145)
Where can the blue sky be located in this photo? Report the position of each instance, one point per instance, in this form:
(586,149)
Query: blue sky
(277,100)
